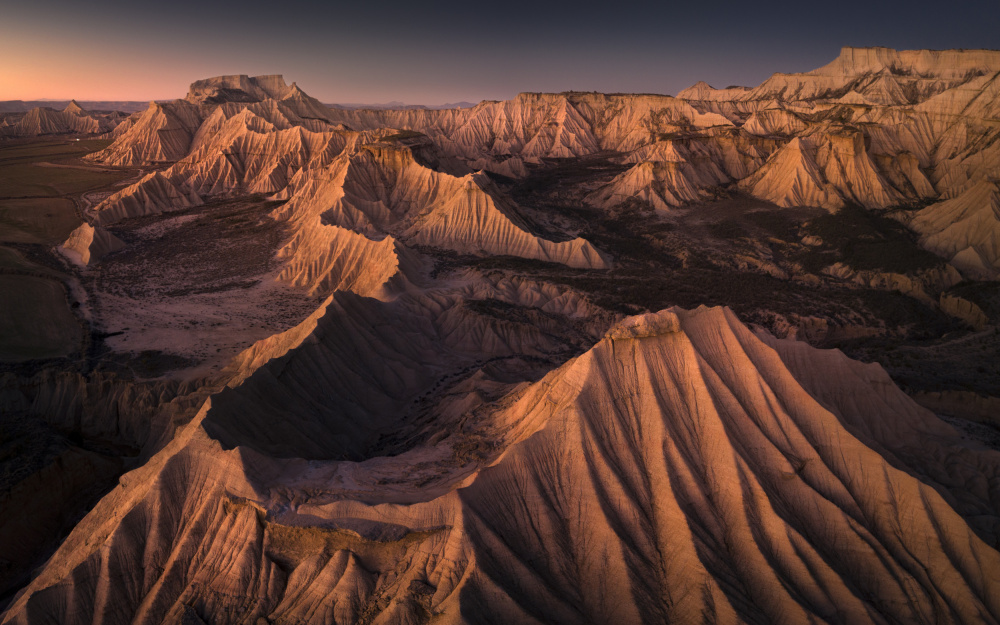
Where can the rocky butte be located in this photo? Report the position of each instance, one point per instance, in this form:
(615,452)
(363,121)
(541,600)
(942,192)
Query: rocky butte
(565,358)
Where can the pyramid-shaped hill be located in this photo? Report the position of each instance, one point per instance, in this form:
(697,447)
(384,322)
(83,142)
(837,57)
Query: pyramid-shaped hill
(791,177)
(86,244)
(74,108)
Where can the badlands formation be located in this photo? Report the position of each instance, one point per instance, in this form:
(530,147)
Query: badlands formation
(543,360)
(71,120)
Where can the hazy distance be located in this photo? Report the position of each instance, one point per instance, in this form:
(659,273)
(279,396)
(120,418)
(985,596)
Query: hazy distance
(432,53)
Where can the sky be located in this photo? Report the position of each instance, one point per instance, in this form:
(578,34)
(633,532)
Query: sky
(427,52)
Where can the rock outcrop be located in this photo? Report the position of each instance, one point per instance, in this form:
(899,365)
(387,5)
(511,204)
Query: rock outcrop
(87,245)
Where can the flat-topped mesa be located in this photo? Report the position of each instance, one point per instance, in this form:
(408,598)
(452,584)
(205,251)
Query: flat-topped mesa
(945,64)
(239,88)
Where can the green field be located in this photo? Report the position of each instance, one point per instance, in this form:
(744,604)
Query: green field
(12,261)
(47,221)
(35,320)
(21,176)
(49,149)
(38,181)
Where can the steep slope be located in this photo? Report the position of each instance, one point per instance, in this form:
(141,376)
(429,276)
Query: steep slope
(923,73)
(701,90)
(234,152)
(247,153)
(153,194)
(675,172)
(791,177)
(46,121)
(166,132)
(502,136)
(162,134)
(774,121)
(661,185)
(965,230)
(87,244)
(381,189)
(351,197)
(833,166)
(324,258)
(680,470)
(74,108)
(927,119)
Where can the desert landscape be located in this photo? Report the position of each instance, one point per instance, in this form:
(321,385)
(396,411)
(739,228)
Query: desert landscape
(728,356)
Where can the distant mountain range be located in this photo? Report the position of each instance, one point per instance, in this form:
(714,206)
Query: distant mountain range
(130,106)
(397,105)
(23,106)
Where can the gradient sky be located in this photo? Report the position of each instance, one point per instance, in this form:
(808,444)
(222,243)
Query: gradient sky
(435,52)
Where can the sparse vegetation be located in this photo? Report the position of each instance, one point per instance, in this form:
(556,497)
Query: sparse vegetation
(866,240)
(46,221)
(21,176)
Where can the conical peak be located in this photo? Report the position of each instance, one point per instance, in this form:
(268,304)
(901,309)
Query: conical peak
(295,92)
(74,108)
(796,144)
(696,91)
